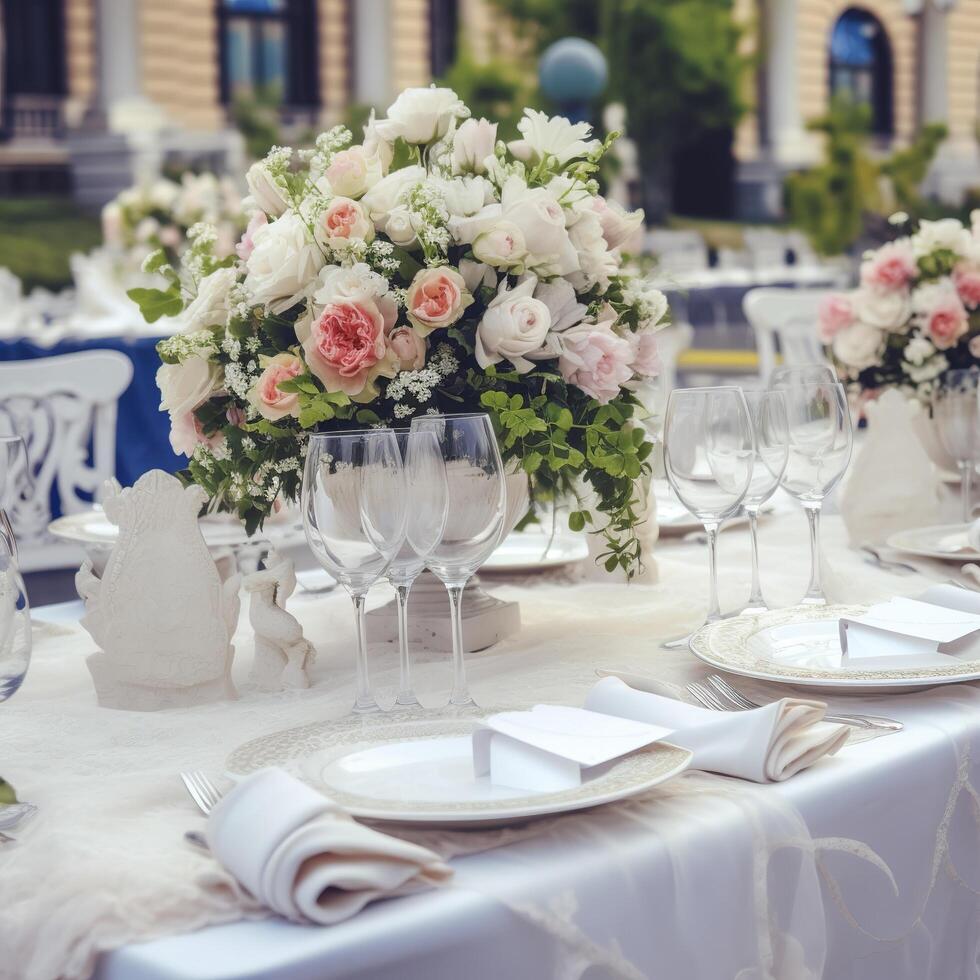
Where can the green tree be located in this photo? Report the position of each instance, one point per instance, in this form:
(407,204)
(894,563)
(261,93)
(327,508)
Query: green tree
(674,64)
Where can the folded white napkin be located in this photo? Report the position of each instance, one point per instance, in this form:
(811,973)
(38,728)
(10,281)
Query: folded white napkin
(764,744)
(301,854)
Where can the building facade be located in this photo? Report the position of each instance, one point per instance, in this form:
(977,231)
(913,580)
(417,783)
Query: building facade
(98,93)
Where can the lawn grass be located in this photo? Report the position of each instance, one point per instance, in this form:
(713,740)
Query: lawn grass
(37,234)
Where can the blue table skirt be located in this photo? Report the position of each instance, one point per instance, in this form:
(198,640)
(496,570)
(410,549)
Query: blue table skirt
(142,430)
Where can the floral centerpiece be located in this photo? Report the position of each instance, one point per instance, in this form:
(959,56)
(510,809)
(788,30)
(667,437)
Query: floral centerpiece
(916,313)
(428,268)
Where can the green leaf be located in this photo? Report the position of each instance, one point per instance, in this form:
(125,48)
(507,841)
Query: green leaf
(576,521)
(155,303)
(564,420)
(532,462)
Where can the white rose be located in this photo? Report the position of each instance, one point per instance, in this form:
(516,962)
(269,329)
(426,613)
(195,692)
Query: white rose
(355,282)
(552,136)
(947,233)
(502,245)
(918,350)
(859,347)
(163,193)
(283,263)
(146,229)
(352,172)
(596,262)
(212,304)
(374,145)
(514,324)
(541,220)
(618,225)
(886,309)
(389,192)
(464,196)
(267,193)
(421,115)
(473,143)
(399,227)
(185,386)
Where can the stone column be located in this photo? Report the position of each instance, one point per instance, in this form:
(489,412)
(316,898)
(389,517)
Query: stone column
(786,136)
(372,69)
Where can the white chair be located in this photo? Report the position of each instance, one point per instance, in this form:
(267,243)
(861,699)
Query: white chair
(61,406)
(784,319)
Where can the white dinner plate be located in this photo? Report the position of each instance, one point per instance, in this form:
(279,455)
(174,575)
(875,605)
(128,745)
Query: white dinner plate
(420,771)
(93,528)
(801,646)
(526,551)
(947,542)
(675,520)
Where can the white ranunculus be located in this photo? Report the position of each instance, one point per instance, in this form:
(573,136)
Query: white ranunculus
(596,262)
(515,324)
(540,219)
(212,304)
(359,281)
(473,142)
(886,309)
(185,386)
(268,193)
(947,233)
(421,115)
(400,228)
(283,263)
(389,192)
(552,136)
(859,347)
(502,245)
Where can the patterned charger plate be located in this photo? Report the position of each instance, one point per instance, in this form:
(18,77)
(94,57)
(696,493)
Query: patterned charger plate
(419,771)
(801,646)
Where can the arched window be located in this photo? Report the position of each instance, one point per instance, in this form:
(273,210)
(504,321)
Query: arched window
(861,65)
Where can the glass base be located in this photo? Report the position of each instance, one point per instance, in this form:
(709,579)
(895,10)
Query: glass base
(366,706)
(754,610)
(814,600)
(407,699)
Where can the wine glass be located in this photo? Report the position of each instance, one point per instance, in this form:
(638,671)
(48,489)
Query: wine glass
(769,422)
(477,503)
(709,451)
(957,413)
(790,375)
(15,613)
(820,441)
(353,504)
(427,506)
(12,449)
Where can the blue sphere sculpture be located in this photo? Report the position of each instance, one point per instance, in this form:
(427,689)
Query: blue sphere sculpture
(572,71)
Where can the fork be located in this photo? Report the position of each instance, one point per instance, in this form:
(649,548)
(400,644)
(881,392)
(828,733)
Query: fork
(739,701)
(202,791)
(887,564)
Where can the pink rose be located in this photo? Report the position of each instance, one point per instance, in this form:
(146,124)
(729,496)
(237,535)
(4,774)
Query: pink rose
(346,345)
(344,218)
(187,433)
(245,246)
(436,298)
(646,357)
(265,395)
(893,266)
(834,314)
(596,360)
(409,347)
(947,322)
(966,278)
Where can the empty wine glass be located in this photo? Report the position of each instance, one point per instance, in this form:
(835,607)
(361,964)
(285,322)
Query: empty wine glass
(956,411)
(819,450)
(790,375)
(768,413)
(353,504)
(14,479)
(708,454)
(15,613)
(427,503)
(477,503)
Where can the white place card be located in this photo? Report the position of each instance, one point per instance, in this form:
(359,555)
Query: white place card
(553,747)
(903,632)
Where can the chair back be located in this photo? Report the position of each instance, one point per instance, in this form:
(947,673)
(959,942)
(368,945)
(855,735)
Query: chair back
(64,408)
(784,321)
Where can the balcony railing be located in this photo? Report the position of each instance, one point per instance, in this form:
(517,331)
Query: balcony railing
(32,117)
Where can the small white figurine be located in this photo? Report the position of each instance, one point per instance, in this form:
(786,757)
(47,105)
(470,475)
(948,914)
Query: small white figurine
(160,612)
(282,655)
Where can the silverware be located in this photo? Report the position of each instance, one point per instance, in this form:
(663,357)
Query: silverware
(203,792)
(730,697)
(887,564)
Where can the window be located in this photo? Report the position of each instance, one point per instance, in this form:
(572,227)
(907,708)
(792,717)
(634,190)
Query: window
(269,51)
(443,27)
(861,65)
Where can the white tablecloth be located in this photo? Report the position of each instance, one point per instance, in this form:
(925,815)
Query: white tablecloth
(866,866)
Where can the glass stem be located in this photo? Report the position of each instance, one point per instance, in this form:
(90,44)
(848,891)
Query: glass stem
(363,699)
(966,488)
(756,600)
(814,592)
(460,696)
(406,696)
(714,608)
(7,535)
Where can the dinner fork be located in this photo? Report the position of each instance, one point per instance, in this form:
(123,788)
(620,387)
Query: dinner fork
(739,701)
(202,791)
